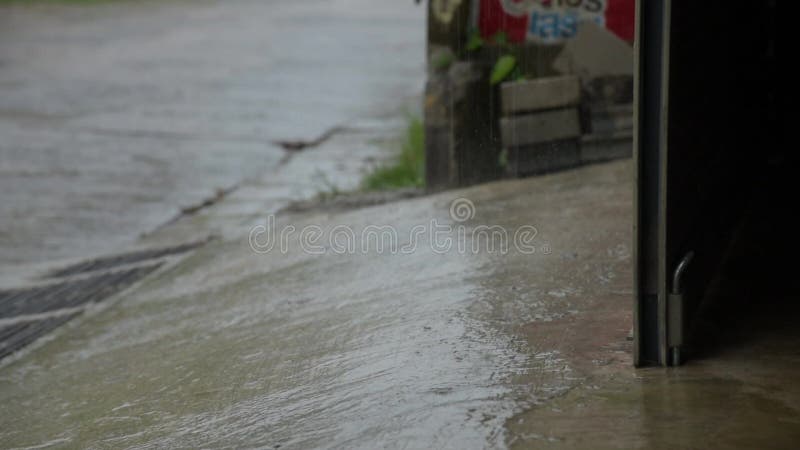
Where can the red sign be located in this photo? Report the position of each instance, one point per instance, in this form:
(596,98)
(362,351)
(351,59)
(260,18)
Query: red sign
(554,21)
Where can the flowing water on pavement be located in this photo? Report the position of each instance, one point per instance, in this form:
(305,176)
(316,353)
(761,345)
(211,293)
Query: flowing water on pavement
(236,349)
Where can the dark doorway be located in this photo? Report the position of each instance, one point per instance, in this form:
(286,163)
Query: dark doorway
(711,163)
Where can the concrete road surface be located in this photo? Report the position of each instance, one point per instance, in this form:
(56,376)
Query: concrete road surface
(114,116)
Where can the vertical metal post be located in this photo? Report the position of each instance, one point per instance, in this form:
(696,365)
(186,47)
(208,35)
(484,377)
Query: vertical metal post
(650,155)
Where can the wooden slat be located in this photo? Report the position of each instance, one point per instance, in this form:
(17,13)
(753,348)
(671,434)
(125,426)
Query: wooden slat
(612,118)
(544,158)
(605,147)
(540,127)
(540,94)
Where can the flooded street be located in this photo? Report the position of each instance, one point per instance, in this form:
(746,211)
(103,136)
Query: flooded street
(115,116)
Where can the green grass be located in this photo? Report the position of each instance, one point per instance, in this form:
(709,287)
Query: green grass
(408,170)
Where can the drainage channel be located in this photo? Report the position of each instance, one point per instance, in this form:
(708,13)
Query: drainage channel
(27,314)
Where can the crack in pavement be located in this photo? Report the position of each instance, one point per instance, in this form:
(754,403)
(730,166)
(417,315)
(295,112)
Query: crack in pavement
(294,146)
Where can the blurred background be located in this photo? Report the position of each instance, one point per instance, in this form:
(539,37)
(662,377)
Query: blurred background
(116,116)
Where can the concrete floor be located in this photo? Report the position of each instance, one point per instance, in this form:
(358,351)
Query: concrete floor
(230,348)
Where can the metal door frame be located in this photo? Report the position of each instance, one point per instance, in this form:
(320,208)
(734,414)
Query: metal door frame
(651,84)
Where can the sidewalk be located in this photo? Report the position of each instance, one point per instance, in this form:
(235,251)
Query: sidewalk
(230,347)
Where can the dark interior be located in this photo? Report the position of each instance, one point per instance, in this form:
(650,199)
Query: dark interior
(729,176)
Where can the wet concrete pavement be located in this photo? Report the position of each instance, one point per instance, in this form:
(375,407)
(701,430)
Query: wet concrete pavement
(232,348)
(224,347)
(114,116)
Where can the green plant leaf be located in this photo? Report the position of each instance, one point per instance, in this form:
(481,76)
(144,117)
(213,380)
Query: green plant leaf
(502,159)
(443,61)
(500,38)
(502,69)
(474,42)
(517,74)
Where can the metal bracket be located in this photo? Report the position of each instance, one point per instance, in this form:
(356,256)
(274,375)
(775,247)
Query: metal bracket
(675,310)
